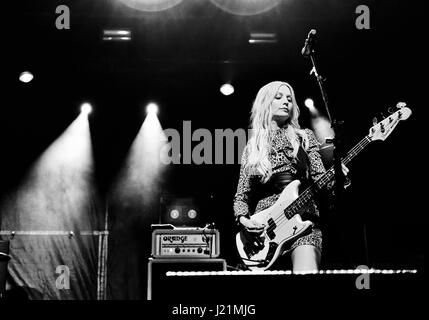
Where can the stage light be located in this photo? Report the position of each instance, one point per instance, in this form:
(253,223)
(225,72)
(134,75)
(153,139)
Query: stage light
(116,35)
(192,214)
(26,76)
(152,108)
(174,214)
(246,7)
(227,89)
(259,38)
(309,103)
(188,210)
(139,178)
(86,108)
(117,32)
(151,5)
(58,189)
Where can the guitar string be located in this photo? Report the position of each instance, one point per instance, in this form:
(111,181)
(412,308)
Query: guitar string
(320,182)
(327,176)
(296,205)
(307,194)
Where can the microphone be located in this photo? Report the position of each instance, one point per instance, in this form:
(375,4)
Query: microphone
(307,49)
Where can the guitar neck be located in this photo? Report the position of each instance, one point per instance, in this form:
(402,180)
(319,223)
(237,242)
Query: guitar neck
(308,194)
(328,176)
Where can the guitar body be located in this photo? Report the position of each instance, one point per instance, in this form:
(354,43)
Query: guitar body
(260,252)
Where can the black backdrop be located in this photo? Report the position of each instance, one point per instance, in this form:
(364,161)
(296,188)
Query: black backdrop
(179,57)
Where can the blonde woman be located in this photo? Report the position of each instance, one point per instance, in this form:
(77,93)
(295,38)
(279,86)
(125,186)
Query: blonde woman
(278,152)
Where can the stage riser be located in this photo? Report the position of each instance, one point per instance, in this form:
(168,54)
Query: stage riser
(278,287)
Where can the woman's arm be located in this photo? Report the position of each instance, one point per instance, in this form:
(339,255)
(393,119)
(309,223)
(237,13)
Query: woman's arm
(317,169)
(241,198)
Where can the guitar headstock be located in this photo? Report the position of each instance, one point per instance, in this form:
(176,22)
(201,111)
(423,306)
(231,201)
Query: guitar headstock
(384,128)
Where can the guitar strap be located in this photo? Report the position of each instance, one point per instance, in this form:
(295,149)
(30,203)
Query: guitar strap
(302,165)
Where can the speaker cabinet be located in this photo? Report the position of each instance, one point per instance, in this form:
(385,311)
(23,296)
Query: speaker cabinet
(159,286)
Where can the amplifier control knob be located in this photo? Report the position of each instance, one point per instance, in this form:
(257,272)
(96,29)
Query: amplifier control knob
(199,250)
(177,250)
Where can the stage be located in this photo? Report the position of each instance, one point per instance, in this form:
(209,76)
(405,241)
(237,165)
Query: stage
(118,115)
(281,285)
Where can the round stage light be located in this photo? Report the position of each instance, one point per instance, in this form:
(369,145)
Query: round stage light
(152,108)
(151,5)
(309,103)
(227,89)
(174,214)
(26,76)
(245,7)
(192,214)
(86,108)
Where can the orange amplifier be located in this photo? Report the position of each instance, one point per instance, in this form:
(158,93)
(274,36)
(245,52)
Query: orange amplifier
(185,243)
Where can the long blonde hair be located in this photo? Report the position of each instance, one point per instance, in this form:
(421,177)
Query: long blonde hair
(263,128)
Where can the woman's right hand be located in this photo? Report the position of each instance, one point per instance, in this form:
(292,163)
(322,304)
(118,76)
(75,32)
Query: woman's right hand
(251,226)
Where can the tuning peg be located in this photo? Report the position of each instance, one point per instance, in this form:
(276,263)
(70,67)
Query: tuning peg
(374,121)
(400,105)
(390,110)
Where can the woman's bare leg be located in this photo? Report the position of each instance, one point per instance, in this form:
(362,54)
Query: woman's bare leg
(305,258)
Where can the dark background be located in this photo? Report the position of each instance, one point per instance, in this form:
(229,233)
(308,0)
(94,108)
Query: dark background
(179,58)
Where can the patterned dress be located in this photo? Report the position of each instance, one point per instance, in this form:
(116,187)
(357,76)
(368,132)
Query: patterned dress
(282,160)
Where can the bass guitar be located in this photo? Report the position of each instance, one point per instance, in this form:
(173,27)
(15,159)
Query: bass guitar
(283,221)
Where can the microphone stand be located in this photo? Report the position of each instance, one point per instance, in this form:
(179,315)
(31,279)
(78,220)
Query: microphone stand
(336,125)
